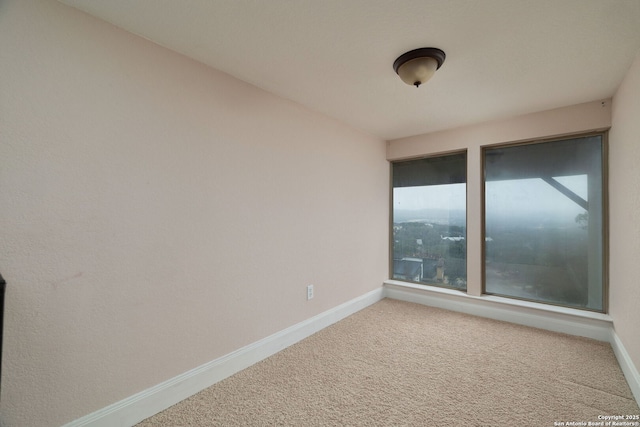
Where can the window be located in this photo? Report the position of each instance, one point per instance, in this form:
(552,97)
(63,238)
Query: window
(544,208)
(429,221)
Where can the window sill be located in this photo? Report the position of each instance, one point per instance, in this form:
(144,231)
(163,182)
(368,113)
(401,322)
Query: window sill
(560,319)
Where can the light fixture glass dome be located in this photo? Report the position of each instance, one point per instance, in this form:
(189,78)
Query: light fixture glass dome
(417,71)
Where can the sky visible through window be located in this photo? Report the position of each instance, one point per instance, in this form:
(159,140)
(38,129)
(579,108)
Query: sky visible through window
(521,197)
(447,196)
(525,197)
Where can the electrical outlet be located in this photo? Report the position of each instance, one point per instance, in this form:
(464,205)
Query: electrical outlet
(309,292)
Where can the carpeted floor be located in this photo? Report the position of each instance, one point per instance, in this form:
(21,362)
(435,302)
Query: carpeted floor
(401,364)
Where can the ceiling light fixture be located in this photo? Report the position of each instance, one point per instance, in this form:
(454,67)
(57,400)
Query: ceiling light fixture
(417,66)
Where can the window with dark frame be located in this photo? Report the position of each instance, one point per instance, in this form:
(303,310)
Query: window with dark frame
(429,221)
(544,222)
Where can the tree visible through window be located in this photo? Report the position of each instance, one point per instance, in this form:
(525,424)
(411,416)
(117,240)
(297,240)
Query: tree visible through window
(544,222)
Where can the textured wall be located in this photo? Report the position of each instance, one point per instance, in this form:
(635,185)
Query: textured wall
(156,214)
(624,206)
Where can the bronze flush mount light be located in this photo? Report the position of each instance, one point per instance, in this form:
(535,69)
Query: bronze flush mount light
(417,66)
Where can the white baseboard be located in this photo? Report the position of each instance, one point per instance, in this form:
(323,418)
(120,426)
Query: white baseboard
(140,406)
(626,364)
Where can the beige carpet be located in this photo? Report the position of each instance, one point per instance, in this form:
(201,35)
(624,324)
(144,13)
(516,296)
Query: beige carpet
(401,364)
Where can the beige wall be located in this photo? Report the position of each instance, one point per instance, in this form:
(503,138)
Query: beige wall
(156,214)
(578,118)
(624,203)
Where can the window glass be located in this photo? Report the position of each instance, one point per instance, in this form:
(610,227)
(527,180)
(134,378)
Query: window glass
(543,222)
(429,221)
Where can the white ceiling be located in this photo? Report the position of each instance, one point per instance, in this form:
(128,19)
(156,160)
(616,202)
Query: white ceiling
(504,57)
